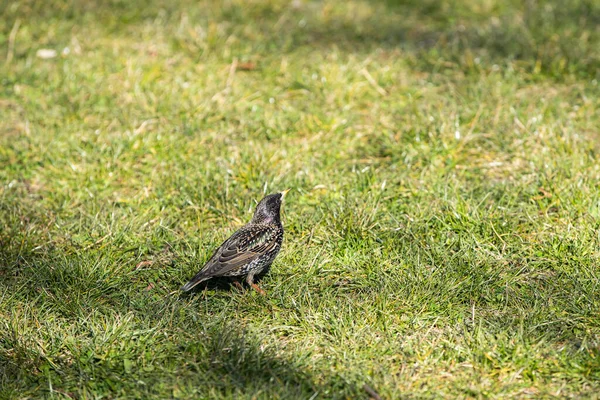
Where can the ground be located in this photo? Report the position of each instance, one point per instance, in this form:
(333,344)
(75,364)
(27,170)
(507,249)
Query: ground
(441,232)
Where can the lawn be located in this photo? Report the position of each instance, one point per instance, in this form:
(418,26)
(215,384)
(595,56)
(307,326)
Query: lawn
(442,231)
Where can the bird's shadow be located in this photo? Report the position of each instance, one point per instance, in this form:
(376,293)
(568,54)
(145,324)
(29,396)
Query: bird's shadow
(226,284)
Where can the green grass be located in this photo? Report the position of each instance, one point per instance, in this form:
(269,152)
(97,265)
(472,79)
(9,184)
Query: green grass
(442,232)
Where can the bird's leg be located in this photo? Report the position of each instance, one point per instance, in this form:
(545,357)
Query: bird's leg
(250,280)
(238,285)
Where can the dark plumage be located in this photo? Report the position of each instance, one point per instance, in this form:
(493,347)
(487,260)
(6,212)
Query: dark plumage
(250,250)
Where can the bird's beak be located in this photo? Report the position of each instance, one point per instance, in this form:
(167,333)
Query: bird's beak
(284,193)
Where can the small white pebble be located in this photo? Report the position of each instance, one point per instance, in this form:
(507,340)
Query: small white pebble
(46,53)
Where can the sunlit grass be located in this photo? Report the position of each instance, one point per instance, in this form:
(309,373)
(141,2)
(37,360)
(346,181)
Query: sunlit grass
(441,234)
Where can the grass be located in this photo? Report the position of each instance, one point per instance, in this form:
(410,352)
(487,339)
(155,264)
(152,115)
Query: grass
(442,232)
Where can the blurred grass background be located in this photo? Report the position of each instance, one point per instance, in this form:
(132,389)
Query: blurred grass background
(442,232)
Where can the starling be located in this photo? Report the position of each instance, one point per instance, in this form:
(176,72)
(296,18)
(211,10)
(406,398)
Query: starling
(250,250)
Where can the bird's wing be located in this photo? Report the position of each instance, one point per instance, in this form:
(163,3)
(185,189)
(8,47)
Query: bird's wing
(241,248)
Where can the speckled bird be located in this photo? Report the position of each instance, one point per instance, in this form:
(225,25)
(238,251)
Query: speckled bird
(250,250)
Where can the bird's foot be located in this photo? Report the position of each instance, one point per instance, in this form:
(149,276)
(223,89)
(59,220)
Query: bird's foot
(238,285)
(259,290)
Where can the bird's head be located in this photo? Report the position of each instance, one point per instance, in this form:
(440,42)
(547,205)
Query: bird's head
(269,207)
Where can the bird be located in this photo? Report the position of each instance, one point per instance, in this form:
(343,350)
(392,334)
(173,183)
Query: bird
(250,250)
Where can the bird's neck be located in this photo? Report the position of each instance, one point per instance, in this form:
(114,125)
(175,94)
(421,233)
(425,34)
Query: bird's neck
(266,220)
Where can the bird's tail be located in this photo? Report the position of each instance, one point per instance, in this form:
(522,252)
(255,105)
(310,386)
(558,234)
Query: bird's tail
(193,282)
